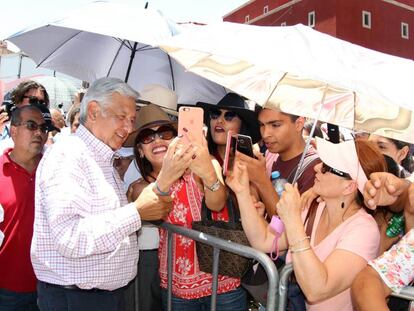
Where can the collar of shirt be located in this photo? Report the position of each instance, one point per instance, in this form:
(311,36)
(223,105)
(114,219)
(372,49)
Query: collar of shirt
(99,149)
(6,161)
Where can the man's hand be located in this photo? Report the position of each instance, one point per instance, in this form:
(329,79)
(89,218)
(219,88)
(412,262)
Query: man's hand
(383,189)
(255,167)
(150,206)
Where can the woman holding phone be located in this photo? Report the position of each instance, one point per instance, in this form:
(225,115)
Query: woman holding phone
(331,242)
(183,174)
(229,114)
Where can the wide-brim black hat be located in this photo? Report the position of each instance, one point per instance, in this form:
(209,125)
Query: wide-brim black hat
(234,102)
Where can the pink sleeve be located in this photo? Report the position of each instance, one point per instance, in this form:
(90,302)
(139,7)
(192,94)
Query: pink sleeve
(361,236)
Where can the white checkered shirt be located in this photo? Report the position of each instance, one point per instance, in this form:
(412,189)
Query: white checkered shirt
(84,230)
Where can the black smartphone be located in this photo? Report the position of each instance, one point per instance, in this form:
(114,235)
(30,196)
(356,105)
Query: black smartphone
(244,145)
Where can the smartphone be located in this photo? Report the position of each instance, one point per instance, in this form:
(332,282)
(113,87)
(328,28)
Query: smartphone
(230,150)
(244,145)
(191,119)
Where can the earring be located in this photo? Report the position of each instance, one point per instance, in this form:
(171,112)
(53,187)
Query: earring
(342,205)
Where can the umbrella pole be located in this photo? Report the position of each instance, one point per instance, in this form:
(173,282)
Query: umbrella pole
(131,60)
(310,135)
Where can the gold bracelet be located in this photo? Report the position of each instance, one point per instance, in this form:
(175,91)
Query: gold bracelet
(301,240)
(299,250)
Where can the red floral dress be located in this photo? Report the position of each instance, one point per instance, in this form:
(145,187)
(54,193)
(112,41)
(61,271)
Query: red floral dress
(188,281)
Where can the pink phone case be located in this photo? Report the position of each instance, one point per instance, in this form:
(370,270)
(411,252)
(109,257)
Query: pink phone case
(230,144)
(191,118)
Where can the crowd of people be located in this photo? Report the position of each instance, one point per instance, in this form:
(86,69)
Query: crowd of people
(81,196)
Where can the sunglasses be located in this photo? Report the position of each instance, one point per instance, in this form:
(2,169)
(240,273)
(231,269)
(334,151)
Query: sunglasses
(33,100)
(327,169)
(33,126)
(228,115)
(147,136)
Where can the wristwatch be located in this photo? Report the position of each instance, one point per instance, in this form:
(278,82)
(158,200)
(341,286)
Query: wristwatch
(214,187)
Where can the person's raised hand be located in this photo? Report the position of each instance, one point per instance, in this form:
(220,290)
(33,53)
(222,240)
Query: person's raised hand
(238,180)
(256,167)
(383,189)
(307,198)
(176,160)
(289,205)
(201,164)
(150,206)
(3,117)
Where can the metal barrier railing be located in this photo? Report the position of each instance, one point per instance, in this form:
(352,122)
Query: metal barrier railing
(406,293)
(283,286)
(220,244)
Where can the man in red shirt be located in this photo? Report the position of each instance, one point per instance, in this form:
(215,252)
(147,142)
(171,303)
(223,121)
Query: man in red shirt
(17,183)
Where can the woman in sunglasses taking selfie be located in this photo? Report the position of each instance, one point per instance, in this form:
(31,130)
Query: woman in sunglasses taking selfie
(332,241)
(183,173)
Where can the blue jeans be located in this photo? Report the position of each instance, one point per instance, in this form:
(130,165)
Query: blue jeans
(235,300)
(12,301)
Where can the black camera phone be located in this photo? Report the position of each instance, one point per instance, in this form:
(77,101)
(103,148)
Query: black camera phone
(244,145)
(8,107)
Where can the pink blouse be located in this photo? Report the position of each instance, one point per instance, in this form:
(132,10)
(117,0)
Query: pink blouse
(358,234)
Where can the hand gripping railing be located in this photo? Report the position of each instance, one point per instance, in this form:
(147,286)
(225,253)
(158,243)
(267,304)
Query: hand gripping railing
(229,246)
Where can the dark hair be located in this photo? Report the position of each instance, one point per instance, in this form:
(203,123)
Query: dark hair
(392,166)
(308,127)
(16,116)
(407,163)
(144,165)
(212,146)
(19,92)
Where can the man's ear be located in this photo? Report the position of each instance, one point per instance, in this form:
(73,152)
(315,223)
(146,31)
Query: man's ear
(13,130)
(300,123)
(402,153)
(93,110)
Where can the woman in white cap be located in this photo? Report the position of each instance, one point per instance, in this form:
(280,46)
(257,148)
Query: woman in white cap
(330,242)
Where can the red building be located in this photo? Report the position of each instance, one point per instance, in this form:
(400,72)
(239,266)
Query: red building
(382,25)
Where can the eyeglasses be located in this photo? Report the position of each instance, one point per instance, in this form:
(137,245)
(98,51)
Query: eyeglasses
(147,136)
(327,169)
(228,115)
(33,126)
(34,100)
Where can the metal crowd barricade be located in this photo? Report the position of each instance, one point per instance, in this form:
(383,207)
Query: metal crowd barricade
(283,286)
(220,244)
(406,293)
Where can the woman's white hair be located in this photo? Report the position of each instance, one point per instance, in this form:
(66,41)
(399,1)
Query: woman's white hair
(101,91)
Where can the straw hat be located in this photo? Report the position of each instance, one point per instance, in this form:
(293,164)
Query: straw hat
(160,96)
(148,116)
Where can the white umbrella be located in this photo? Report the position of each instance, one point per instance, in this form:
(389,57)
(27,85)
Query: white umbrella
(116,40)
(296,68)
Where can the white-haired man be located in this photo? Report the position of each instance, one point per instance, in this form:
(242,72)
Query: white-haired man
(84,248)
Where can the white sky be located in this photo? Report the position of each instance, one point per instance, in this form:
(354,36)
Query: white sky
(19,14)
